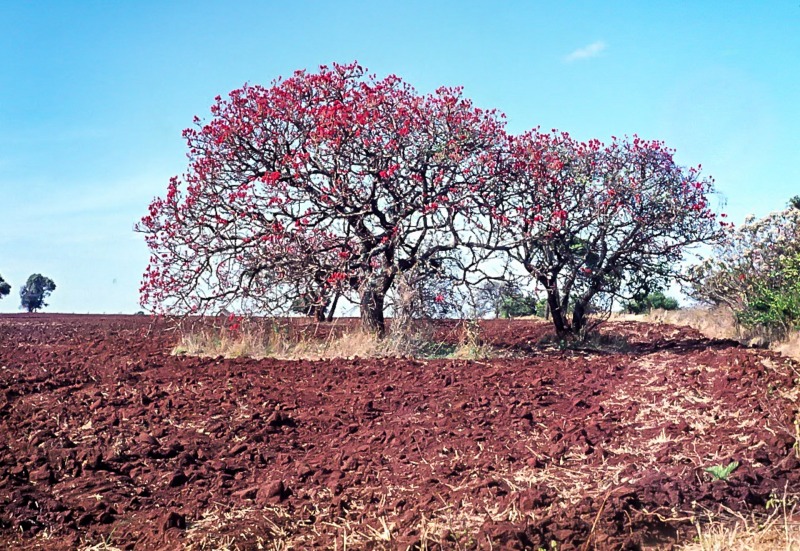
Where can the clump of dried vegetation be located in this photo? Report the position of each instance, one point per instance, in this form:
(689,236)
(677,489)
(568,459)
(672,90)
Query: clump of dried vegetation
(779,531)
(274,339)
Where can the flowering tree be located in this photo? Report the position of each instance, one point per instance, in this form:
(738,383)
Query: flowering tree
(755,270)
(592,223)
(321,183)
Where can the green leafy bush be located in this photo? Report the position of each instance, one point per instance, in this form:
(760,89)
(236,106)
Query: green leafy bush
(774,302)
(521,304)
(657,300)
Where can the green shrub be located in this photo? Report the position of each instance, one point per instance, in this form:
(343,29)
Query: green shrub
(518,304)
(656,300)
(774,301)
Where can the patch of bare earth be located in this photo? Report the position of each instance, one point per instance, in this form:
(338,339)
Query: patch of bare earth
(108,441)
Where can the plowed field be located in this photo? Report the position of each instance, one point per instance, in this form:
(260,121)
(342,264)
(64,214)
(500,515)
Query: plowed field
(107,440)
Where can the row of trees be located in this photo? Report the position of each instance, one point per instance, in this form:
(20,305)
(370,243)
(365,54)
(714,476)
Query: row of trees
(33,294)
(338,183)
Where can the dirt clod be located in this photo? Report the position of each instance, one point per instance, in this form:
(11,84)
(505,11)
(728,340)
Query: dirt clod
(174,519)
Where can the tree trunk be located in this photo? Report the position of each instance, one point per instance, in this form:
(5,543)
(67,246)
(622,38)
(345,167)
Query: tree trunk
(319,313)
(555,312)
(372,320)
(333,307)
(579,317)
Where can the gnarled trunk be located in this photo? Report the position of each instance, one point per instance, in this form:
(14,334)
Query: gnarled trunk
(554,305)
(579,317)
(372,303)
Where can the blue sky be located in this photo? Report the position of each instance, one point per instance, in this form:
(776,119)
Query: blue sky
(94,95)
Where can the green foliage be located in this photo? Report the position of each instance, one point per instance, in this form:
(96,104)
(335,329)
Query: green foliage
(35,291)
(756,272)
(720,472)
(775,302)
(644,303)
(5,288)
(521,304)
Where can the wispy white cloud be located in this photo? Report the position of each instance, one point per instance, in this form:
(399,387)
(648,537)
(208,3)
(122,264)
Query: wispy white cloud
(592,50)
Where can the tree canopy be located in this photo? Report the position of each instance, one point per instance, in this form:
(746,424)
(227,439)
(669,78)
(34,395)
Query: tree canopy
(338,183)
(592,223)
(35,291)
(5,288)
(334,181)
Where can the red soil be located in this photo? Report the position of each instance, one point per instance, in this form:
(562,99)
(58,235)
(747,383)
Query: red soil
(106,437)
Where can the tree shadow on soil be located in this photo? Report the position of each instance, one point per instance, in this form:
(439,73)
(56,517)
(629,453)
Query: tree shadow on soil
(610,345)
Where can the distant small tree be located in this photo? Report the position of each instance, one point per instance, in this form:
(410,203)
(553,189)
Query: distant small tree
(35,291)
(5,288)
(311,306)
(519,304)
(489,296)
(428,292)
(651,301)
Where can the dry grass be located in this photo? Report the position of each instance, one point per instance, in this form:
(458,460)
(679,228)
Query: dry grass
(208,342)
(471,345)
(222,528)
(261,341)
(789,347)
(275,342)
(275,529)
(102,545)
(715,323)
(780,531)
(737,537)
(476,352)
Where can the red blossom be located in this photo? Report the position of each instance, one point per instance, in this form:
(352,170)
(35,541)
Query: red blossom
(312,182)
